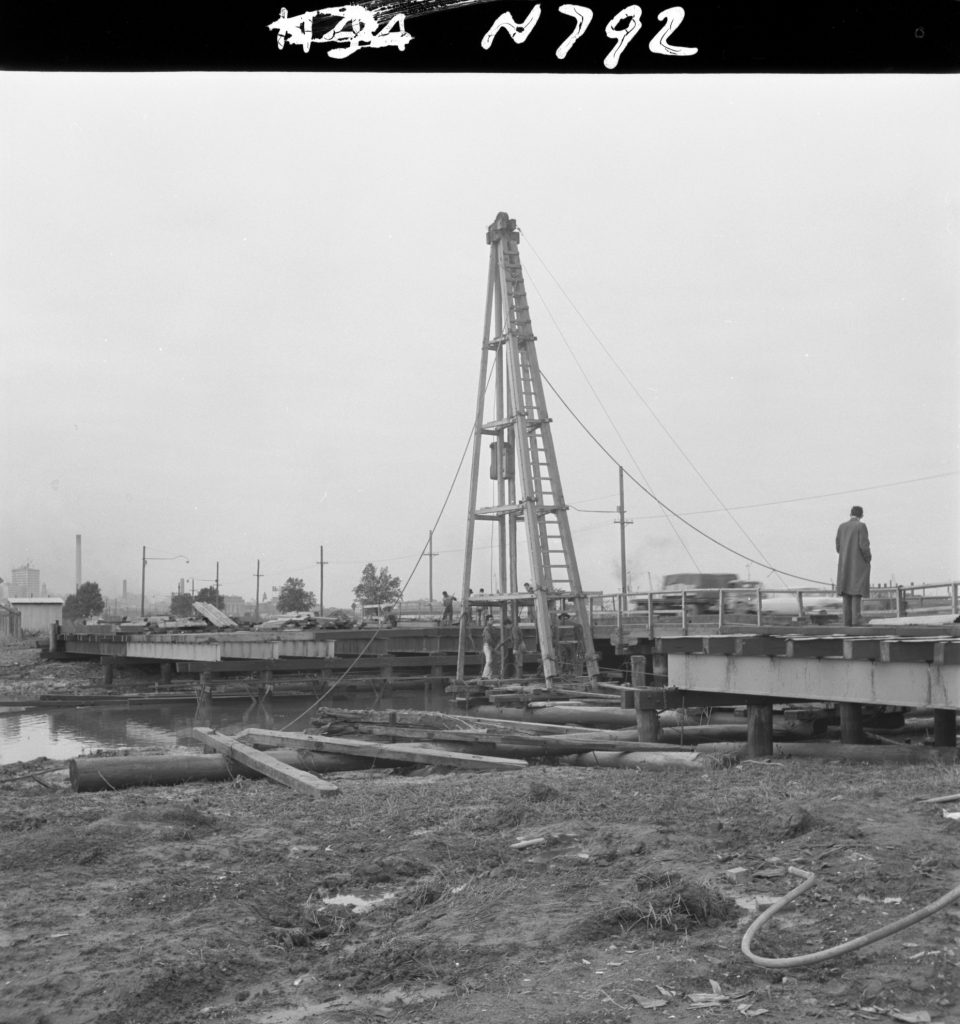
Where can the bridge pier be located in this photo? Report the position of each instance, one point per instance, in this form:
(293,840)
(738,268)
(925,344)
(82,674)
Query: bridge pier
(944,728)
(759,727)
(648,719)
(851,723)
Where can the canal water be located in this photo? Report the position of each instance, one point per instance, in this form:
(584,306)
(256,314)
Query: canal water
(63,733)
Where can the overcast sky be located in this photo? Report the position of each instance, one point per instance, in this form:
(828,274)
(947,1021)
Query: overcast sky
(242,317)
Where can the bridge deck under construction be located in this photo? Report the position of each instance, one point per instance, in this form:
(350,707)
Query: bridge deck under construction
(858,665)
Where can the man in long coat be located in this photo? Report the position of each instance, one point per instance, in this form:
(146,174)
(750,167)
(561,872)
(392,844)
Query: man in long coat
(853,568)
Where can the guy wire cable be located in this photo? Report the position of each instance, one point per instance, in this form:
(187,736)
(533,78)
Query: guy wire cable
(646,405)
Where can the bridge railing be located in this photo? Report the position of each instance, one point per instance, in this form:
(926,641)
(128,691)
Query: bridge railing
(755,606)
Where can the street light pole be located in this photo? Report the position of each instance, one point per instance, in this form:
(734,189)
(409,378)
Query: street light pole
(322,564)
(143,573)
(430,557)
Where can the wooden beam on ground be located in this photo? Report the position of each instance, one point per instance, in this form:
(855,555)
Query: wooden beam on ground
(380,751)
(531,744)
(266,764)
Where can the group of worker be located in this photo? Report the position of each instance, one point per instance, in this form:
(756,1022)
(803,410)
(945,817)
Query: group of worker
(510,644)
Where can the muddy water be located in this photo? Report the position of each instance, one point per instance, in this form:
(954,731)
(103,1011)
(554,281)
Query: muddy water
(63,733)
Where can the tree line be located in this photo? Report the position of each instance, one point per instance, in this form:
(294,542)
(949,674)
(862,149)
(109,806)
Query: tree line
(377,586)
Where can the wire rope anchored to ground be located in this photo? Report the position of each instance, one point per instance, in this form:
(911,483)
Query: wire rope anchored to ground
(845,947)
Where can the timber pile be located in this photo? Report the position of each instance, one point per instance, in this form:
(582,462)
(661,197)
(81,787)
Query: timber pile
(506,739)
(488,736)
(612,706)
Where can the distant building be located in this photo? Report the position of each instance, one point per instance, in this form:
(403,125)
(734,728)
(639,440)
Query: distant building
(38,614)
(25,582)
(9,623)
(233,605)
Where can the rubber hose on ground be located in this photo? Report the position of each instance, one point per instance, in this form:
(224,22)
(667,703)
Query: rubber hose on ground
(845,947)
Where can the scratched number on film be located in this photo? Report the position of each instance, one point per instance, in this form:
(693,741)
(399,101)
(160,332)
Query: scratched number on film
(357,28)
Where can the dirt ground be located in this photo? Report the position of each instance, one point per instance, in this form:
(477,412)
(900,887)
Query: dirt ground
(406,899)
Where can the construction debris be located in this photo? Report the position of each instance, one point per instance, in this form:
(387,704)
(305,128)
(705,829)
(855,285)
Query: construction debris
(266,764)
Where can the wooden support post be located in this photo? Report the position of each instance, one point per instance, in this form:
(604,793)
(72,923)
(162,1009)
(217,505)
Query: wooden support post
(107,675)
(759,728)
(166,673)
(648,719)
(944,727)
(851,726)
(660,670)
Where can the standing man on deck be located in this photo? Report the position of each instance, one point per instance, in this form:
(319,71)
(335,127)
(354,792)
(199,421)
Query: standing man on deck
(853,568)
(491,644)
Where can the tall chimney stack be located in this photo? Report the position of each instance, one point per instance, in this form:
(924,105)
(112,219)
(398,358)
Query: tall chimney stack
(79,577)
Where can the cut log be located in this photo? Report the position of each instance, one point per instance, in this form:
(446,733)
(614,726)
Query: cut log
(880,754)
(564,714)
(580,715)
(266,764)
(608,759)
(92,774)
(565,743)
(417,753)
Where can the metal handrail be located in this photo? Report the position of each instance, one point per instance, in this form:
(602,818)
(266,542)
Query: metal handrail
(677,604)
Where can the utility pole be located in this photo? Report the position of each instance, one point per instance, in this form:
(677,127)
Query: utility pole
(321,563)
(256,610)
(431,556)
(217,584)
(621,512)
(143,572)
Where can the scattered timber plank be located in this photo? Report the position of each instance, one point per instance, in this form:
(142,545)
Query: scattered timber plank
(381,751)
(526,743)
(266,764)
(439,720)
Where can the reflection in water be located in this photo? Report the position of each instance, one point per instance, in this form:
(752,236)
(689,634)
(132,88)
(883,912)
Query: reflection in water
(62,733)
(260,714)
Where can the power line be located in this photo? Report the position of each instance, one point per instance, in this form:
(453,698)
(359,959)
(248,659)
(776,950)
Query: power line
(606,412)
(649,409)
(763,563)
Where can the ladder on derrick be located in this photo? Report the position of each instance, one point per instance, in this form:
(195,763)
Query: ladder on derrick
(523,466)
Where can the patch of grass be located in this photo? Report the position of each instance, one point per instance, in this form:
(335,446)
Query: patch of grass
(664,902)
